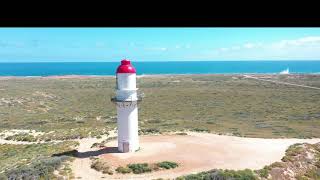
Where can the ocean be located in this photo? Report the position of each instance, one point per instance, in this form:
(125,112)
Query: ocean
(146,68)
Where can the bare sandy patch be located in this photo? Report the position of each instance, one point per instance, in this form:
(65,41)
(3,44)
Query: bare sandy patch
(198,152)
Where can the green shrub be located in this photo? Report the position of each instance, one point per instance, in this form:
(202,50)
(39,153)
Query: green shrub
(200,130)
(246,174)
(221,175)
(101,166)
(182,133)
(263,172)
(149,131)
(276,164)
(210,122)
(139,168)
(287,159)
(167,165)
(22,137)
(123,170)
(312,174)
(294,149)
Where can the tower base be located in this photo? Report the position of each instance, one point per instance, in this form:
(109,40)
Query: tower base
(126,147)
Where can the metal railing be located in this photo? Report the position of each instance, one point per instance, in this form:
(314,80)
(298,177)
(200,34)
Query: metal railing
(140,96)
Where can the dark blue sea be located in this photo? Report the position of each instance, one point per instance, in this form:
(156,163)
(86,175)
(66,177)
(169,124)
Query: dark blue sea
(177,67)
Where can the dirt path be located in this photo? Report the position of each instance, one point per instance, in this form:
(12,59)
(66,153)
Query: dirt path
(195,152)
(81,165)
(279,82)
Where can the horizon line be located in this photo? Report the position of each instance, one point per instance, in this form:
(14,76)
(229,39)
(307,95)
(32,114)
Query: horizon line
(161,61)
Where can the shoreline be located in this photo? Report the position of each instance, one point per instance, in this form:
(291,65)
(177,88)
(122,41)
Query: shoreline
(154,75)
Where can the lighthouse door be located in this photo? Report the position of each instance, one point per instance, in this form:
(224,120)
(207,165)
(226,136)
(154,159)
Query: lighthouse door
(125,146)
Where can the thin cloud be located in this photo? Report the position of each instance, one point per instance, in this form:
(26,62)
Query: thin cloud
(249,45)
(309,42)
(305,41)
(157,49)
(224,49)
(301,48)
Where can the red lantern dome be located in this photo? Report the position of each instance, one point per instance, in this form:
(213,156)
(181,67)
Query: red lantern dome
(126,67)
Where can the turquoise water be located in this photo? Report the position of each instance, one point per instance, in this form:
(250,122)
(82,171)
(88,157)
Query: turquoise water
(177,67)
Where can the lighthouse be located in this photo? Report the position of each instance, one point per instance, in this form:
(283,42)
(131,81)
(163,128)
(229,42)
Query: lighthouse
(126,100)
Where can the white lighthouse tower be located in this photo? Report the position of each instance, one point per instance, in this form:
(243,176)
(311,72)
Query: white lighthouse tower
(127,107)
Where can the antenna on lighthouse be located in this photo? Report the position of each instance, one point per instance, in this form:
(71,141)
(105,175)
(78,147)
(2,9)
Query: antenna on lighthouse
(127,100)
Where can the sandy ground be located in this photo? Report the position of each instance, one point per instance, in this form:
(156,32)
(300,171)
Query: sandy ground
(81,165)
(195,152)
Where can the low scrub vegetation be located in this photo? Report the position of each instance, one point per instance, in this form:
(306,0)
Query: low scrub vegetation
(37,169)
(167,165)
(149,131)
(22,137)
(123,170)
(182,133)
(302,159)
(291,152)
(215,103)
(33,160)
(215,174)
(200,130)
(140,168)
(101,166)
(15,159)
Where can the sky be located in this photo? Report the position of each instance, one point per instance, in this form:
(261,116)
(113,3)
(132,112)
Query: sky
(157,44)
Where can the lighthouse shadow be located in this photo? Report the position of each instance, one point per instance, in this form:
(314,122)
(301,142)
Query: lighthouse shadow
(87,154)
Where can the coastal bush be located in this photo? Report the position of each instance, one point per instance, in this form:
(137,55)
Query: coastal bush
(37,169)
(149,131)
(139,168)
(200,130)
(33,161)
(182,133)
(123,170)
(310,174)
(22,137)
(292,151)
(263,172)
(101,166)
(185,101)
(221,175)
(167,165)
(276,164)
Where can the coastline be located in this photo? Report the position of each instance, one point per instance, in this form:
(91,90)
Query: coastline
(153,75)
